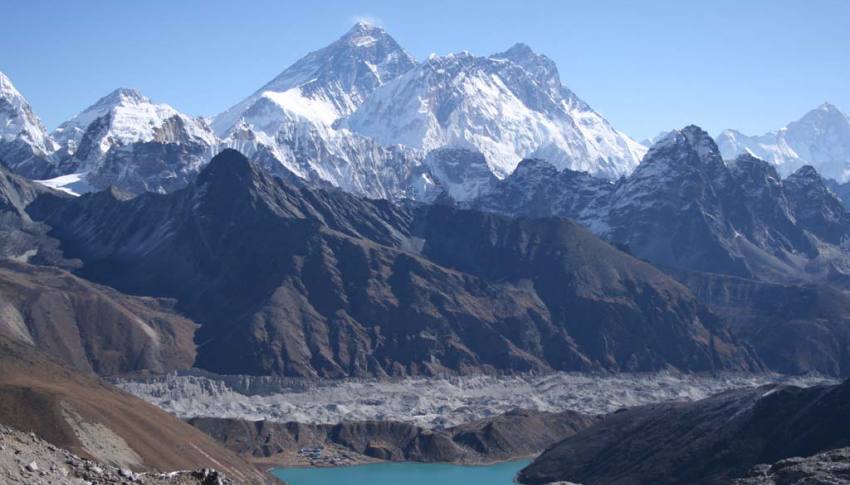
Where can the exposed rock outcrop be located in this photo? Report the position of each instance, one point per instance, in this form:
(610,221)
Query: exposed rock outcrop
(828,468)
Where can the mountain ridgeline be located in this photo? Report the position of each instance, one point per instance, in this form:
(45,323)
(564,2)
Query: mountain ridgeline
(684,207)
(290,280)
(769,255)
(360,114)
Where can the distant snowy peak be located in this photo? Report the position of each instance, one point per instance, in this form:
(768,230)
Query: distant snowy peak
(821,138)
(125,116)
(331,82)
(130,142)
(17,120)
(508,106)
(25,146)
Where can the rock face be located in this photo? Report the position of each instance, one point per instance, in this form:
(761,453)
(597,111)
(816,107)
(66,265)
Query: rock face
(821,139)
(508,106)
(21,238)
(705,442)
(831,467)
(513,435)
(340,286)
(684,207)
(842,191)
(538,189)
(89,327)
(96,421)
(25,146)
(460,173)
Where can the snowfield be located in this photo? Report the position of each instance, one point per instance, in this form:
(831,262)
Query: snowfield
(436,402)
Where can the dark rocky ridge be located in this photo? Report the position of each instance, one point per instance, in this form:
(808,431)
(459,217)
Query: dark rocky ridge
(295,281)
(684,207)
(21,238)
(512,435)
(842,191)
(704,442)
(768,255)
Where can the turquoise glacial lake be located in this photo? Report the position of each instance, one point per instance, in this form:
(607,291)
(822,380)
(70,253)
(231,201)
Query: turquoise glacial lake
(404,474)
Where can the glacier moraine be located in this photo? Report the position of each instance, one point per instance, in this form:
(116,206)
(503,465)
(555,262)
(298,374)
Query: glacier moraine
(435,402)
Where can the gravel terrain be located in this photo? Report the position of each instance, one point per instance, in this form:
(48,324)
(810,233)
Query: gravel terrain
(829,468)
(26,459)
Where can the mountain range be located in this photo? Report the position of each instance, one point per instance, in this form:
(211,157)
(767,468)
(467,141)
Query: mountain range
(363,115)
(366,215)
(685,207)
(821,138)
(322,120)
(292,280)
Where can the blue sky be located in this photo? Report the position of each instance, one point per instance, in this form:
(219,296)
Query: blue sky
(646,66)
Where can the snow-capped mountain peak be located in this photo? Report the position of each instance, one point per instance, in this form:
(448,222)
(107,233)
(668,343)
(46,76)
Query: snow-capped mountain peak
(290,124)
(126,116)
(820,138)
(508,106)
(364,34)
(127,140)
(25,145)
(17,119)
(332,81)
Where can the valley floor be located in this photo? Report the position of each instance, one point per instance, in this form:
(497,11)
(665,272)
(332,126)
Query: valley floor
(435,403)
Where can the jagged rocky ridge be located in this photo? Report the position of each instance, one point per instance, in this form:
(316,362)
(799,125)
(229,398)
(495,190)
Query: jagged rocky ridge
(765,253)
(705,442)
(684,207)
(291,280)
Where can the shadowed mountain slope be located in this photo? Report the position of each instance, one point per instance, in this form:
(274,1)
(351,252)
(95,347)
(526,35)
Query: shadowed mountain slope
(296,281)
(703,442)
